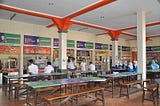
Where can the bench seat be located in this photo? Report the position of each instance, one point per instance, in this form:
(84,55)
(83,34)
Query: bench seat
(50,98)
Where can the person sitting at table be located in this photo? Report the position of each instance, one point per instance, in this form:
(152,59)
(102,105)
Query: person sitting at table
(124,65)
(120,64)
(135,66)
(32,68)
(116,64)
(91,66)
(130,67)
(48,68)
(154,65)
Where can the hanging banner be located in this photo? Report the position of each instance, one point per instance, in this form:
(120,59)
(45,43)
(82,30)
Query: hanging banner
(9,49)
(44,41)
(11,38)
(29,50)
(43,50)
(89,45)
(56,42)
(71,43)
(81,44)
(30,40)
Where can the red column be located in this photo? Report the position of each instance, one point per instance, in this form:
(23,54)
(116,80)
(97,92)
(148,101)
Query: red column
(114,35)
(62,25)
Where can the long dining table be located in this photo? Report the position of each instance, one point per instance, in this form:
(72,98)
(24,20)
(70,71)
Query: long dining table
(119,76)
(28,77)
(58,84)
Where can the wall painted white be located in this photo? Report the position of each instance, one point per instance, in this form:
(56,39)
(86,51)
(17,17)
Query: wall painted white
(152,42)
(15,27)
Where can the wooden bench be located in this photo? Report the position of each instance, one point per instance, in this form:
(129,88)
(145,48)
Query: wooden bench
(151,92)
(130,87)
(54,90)
(67,96)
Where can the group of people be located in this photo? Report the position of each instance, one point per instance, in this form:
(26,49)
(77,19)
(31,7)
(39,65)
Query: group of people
(83,65)
(131,66)
(33,69)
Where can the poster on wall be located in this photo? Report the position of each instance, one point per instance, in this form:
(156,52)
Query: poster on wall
(152,48)
(81,44)
(43,41)
(101,46)
(29,50)
(89,45)
(56,42)
(43,50)
(9,49)
(1,37)
(7,38)
(30,40)
(98,46)
(71,43)
(11,38)
(126,48)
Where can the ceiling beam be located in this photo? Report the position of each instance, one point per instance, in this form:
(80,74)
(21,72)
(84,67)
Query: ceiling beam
(147,37)
(129,34)
(90,8)
(87,9)
(102,33)
(134,27)
(50,25)
(28,12)
(90,25)
(124,33)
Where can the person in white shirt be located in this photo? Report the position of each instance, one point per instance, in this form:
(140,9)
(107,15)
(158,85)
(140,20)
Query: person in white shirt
(92,66)
(56,64)
(71,65)
(32,68)
(48,68)
(83,65)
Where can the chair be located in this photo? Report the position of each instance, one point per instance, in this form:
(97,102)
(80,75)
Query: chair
(150,92)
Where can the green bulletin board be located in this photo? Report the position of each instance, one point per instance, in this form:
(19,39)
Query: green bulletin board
(71,43)
(12,38)
(44,41)
(89,45)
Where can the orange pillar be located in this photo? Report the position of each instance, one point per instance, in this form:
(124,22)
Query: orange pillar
(114,35)
(62,25)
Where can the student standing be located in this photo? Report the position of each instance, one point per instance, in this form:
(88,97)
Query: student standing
(32,68)
(83,64)
(48,68)
(91,66)
(56,64)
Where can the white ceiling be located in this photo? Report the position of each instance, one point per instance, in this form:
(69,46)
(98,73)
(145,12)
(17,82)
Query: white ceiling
(116,15)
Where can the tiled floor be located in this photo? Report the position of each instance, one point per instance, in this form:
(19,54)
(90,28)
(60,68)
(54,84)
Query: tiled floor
(135,100)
